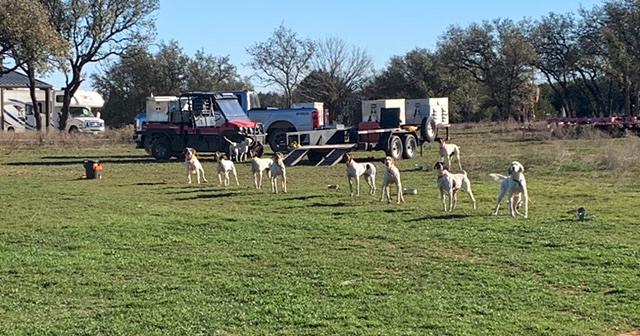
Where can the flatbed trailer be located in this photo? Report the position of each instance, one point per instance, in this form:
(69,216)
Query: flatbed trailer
(326,147)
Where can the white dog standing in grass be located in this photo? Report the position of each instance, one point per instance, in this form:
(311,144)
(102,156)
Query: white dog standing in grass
(258,165)
(449,184)
(276,169)
(514,187)
(193,165)
(224,167)
(447,151)
(391,176)
(355,170)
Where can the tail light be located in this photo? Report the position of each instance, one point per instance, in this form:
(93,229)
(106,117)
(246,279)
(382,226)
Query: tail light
(315,117)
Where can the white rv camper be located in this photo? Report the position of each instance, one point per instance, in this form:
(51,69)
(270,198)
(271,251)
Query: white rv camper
(19,117)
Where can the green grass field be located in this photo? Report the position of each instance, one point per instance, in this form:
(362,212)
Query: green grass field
(140,252)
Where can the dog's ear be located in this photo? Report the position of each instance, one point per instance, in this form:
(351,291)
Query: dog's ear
(520,167)
(510,169)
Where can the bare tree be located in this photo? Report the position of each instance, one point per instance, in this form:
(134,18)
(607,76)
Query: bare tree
(96,30)
(339,70)
(282,60)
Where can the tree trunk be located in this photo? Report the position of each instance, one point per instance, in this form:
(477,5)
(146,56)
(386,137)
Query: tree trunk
(32,93)
(69,91)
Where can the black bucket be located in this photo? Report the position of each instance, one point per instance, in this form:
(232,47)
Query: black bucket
(92,169)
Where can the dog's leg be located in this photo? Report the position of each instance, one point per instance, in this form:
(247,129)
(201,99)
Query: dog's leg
(284,183)
(235,175)
(400,195)
(357,185)
(382,196)
(219,178)
(500,197)
(203,177)
(188,176)
(198,175)
(473,199)
(458,156)
(275,184)
(372,185)
(512,205)
(350,181)
(525,199)
(455,199)
(444,203)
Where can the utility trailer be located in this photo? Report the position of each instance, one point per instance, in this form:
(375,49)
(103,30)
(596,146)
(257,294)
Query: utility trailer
(384,128)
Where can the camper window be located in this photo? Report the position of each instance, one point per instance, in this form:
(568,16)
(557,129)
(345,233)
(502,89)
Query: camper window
(81,112)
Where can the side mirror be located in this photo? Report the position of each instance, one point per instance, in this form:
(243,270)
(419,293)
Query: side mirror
(98,115)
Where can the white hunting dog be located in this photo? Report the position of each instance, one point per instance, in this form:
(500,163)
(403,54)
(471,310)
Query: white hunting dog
(276,169)
(238,150)
(224,167)
(449,184)
(447,151)
(391,176)
(193,165)
(355,170)
(514,187)
(258,165)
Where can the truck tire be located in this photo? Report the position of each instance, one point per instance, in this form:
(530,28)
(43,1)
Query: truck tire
(179,156)
(428,129)
(161,149)
(410,146)
(394,149)
(278,140)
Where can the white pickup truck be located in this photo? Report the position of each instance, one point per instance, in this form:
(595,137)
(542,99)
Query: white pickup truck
(276,122)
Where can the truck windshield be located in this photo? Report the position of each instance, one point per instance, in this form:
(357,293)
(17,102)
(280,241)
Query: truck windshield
(232,110)
(80,112)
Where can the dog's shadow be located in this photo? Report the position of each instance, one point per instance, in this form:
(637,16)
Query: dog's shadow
(438,217)
(207,196)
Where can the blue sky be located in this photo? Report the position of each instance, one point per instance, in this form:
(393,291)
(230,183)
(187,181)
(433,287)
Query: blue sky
(383,28)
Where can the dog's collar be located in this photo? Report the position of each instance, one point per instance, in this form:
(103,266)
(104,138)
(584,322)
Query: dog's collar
(517,181)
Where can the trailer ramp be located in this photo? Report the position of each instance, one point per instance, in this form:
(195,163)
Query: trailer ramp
(334,154)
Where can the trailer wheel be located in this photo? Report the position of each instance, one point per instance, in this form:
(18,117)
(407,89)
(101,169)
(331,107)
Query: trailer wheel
(395,147)
(428,129)
(161,149)
(410,145)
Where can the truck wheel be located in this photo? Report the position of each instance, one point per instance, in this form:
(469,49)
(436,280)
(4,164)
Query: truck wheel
(278,141)
(73,130)
(395,147)
(410,145)
(161,149)
(428,129)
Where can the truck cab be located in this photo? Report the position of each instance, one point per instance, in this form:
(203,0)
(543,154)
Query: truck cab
(200,120)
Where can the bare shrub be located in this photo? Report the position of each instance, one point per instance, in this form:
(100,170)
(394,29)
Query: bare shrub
(10,141)
(622,155)
(579,132)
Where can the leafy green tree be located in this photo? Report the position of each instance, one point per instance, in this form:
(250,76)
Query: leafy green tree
(29,39)
(214,73)
(498,55)
(97,30)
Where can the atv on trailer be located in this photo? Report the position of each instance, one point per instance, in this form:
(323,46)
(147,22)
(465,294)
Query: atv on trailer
(200,120)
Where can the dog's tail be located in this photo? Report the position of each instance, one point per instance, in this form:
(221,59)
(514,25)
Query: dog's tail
(229,141)
(464,172)
(498,177)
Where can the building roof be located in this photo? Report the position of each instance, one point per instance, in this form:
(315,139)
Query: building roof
(14,80)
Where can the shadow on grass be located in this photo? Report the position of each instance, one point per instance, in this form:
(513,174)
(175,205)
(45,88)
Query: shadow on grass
(82,157)
(73,163)
(337,204)
(207,196)
(301,198)
(447,216)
